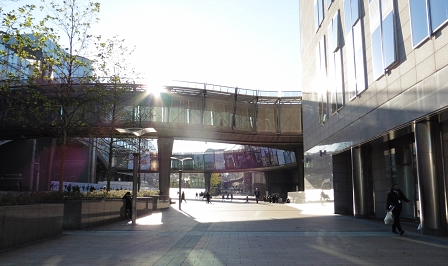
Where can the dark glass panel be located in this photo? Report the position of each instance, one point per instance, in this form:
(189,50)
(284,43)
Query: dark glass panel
(339,79)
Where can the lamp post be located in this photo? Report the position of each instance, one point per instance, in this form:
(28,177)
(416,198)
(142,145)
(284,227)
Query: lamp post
(180,177)
(138,132)
(134,188)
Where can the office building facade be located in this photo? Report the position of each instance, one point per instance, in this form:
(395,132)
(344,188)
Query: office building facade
(375,105)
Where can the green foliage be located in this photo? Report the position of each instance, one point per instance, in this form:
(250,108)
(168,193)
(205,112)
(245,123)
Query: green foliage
(56,79)
(215,180)
(26,198)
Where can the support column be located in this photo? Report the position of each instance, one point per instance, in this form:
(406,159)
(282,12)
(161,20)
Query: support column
(135,188)
(430,179)
(360,186)
(165,148)
(300,168)
(207,177)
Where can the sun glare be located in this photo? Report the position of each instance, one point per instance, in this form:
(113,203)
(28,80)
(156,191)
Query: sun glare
(155,87)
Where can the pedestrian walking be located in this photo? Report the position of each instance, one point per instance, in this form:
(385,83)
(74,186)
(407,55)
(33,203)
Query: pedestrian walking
(207,197)
(257,194)
(128,204)
(183,197)
(395,197)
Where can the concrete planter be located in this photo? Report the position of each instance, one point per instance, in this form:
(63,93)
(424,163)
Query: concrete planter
(23,224)
(80,214)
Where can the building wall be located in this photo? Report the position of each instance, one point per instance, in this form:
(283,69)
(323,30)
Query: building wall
(35,163)
(404,93)
(379,115)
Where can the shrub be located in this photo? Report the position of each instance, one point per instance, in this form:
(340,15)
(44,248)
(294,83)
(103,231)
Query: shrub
(25,198)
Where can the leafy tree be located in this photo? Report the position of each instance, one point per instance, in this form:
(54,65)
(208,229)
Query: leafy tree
(215,180)
(72,87)
(112,67)
(60,74)
(66,88)
(21,57)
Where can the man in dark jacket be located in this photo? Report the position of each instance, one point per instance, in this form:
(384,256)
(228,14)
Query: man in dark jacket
(257,194)
(395,197)
(128,203)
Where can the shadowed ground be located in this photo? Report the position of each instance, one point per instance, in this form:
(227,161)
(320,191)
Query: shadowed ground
(237,233)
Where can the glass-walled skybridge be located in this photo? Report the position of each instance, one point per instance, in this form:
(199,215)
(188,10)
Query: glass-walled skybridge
(250,159)
(184,111)
(207,112)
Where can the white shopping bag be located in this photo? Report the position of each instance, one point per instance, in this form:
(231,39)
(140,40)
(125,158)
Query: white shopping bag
(389,219)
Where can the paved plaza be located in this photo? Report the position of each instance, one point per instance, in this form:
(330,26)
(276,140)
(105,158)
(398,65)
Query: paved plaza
(237,233)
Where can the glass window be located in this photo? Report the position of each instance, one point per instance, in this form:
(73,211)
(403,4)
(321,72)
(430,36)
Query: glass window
(355,11)
(439,13)
(318,13)
(347,16)
(359,58)
(377,58)
(323,59)
(333,34)
(339,80)
(419,21)
(320,3)
(375,32)
(331,38)
(321,76)
(389,43)
(351,78)
(323,107)
(337,93)
(335,65)
(382,30)
(329,3)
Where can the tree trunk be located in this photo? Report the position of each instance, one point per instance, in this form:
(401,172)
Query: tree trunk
(62,164)
(109,166)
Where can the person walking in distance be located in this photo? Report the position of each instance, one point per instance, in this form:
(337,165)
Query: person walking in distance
(207,196)
(395,197)
(257,194)
(183,197)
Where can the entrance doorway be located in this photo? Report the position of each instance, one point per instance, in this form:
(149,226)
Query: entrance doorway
(404,173)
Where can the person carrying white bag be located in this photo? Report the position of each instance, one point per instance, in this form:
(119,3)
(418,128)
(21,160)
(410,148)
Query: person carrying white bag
(389,219)
(395,197)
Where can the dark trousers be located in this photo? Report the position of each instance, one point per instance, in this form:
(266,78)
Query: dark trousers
(397,224)
(129,209)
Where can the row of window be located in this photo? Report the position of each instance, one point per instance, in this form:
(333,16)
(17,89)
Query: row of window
(427,16)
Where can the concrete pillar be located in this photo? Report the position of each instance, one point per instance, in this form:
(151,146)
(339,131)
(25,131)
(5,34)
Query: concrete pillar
(430,178)
(207,177)
(135,188)
(300,168)
(165,148)
(360,185)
